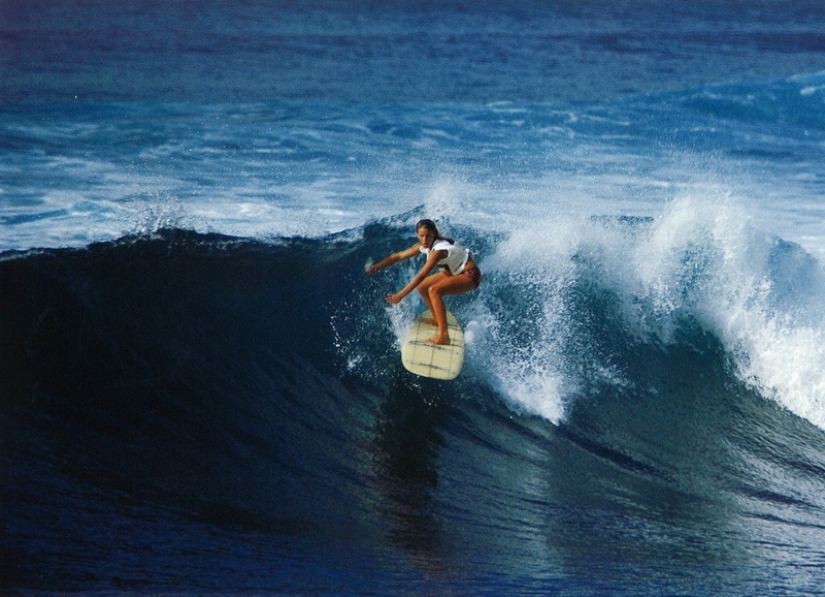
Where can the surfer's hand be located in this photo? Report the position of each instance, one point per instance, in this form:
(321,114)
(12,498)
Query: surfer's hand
(393,299)
(370,270)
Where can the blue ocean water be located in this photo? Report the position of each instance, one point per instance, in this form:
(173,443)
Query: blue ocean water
(201,392)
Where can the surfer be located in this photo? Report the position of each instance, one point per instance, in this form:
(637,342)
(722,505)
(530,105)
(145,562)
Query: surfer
(458,274)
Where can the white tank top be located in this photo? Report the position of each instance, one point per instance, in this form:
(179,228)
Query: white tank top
(456,258)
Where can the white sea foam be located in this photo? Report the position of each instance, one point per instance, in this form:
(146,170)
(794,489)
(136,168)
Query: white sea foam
(748,288)
(701,258)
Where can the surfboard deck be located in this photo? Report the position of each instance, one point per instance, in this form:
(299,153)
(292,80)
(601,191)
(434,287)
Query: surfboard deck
(427,360)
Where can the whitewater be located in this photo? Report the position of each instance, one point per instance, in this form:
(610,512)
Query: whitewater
(201,391)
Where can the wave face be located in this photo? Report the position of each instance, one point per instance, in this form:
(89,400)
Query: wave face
(186,412)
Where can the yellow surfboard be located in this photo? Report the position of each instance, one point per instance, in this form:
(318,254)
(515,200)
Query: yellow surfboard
(427,360)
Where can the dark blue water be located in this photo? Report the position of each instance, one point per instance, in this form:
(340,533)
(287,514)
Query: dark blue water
(201,391)
(383,52)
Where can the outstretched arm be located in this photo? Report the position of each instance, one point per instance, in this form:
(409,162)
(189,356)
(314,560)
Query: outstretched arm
(394,258)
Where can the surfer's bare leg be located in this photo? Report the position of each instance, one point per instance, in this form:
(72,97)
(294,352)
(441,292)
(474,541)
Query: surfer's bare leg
(446,286)
(424,291)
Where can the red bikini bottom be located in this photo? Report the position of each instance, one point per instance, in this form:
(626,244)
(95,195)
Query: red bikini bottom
(474,274)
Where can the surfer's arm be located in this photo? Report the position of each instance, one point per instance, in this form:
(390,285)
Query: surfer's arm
(394,258)
(432,262)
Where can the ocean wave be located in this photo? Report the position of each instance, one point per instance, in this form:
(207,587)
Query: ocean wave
(256,386)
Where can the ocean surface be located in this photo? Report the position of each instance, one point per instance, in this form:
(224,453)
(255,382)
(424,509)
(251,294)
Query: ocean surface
(201,392)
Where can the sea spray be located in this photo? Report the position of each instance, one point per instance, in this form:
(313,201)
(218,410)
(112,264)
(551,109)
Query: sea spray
(699,262)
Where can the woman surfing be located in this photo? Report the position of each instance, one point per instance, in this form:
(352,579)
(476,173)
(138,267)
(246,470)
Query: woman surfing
(458,274)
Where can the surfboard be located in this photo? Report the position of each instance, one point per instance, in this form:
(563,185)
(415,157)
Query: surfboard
(427,360)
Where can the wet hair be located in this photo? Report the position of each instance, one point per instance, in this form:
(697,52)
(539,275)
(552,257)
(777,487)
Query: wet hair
(430,225)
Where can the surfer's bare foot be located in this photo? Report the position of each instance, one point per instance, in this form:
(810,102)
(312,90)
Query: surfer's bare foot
(428,321)
(439,340)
